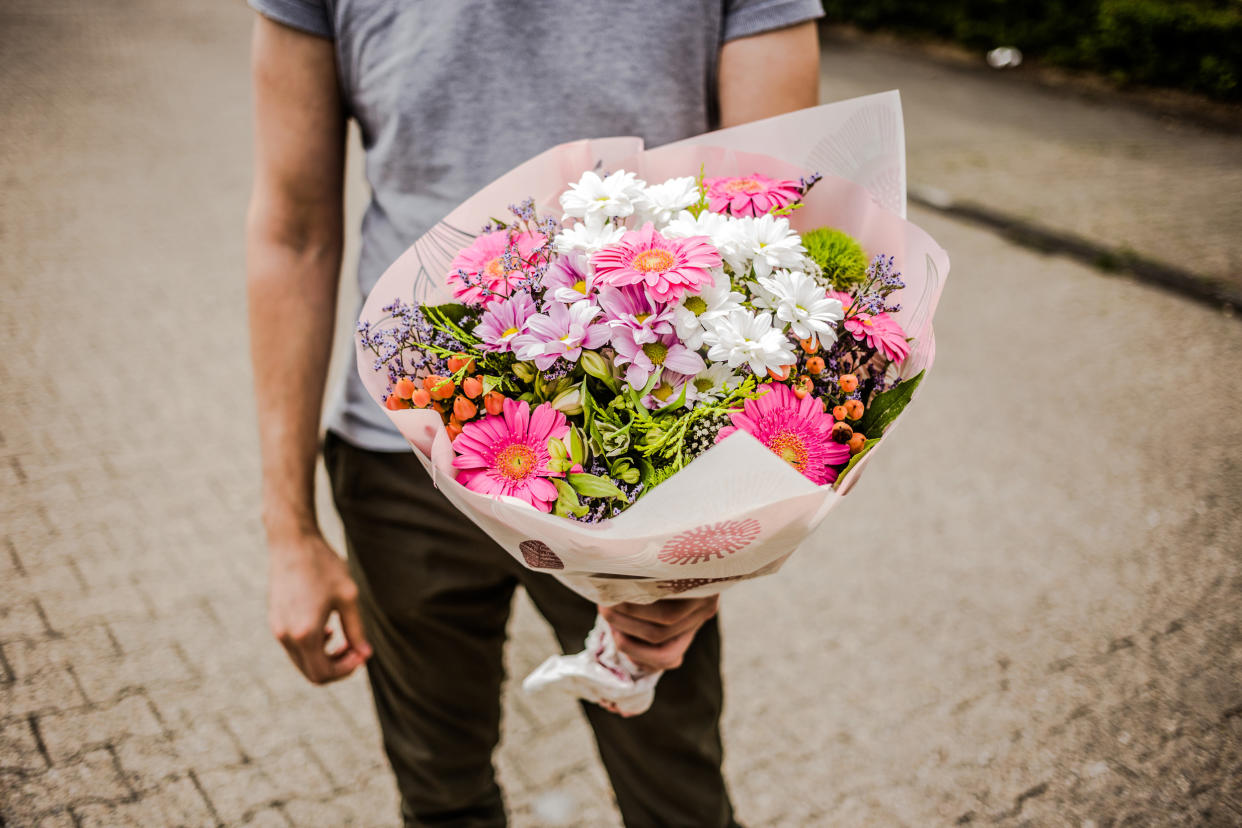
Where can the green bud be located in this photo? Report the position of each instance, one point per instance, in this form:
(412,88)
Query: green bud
(630,476)
(569,401)
(577,446)
(624,470)
(562,465)
(557,449)
(595,365)
(524,371)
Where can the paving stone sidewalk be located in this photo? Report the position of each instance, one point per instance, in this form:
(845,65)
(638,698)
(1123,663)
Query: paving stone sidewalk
(1030,613)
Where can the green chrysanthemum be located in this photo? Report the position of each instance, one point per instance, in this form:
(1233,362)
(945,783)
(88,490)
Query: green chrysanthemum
(840,257)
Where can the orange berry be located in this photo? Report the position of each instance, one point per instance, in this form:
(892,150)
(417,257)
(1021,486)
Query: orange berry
(815,365)
(800,391)
(782,376)
(437,406)
(853,409)
(440,388)
(421,398)
(848,383)
(472,387)
(456,363)
(838,412)
(394,403)
(494,402)
(841,432)
(463,409)
(404,388)
(454,430)
(857,442)
(810,345)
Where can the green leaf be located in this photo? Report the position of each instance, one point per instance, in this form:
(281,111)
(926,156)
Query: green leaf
(490,383)
(677,403)
(592,485)
(567,502)
(853,460)
(452,311)
(887,405)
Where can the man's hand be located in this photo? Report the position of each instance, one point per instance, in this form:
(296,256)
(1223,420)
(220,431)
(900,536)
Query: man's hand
(656,636)
(307,582)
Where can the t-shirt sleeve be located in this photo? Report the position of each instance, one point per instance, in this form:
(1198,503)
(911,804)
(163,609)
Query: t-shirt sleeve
(310,16)
(750,17)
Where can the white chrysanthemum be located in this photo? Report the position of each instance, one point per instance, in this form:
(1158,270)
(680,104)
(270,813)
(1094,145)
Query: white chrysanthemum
(797,299)
(713,382)
(743,337)
(660,202)
(696,309)
(718,229)
(767,242)
(595,200)
(587,238)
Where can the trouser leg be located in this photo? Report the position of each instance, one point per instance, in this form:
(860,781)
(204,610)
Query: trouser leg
(665,765)
(435,593)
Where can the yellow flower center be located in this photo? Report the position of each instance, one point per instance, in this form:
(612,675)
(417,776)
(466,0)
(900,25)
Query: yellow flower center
(516,461)
(509,332)
(662,391)
(703,385)
(695,305)
(790,448)
(656,352)
(580,285)
(495,268)
(655,260)
(749,186)
(868,323)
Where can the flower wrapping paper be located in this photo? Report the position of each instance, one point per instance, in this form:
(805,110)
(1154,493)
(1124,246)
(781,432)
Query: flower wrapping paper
(737,511)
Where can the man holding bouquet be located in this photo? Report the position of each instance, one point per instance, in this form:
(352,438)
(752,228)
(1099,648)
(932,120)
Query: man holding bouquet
(448,96)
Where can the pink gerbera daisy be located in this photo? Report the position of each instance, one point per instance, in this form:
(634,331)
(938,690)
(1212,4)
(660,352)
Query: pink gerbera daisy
(751,195)
(798,430)
(478,275)
(881,332)
(666,267)
(507,453)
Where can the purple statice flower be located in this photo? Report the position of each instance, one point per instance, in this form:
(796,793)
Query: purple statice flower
(631,308)
(643,358)
(566,280)
(503,321)
(561,332)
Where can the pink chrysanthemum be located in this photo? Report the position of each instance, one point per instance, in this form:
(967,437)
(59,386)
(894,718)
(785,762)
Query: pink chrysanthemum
(666,267)
(504,320)
(797,430)
(751,195)
(507,454)
(486,278)
(881,332)
(632,308)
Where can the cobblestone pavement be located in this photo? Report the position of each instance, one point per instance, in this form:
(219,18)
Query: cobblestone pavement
(1048,633)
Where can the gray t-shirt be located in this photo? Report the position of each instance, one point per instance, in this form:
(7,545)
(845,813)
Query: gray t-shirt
(451,94)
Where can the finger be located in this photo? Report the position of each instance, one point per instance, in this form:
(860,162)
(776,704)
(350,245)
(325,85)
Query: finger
(322,668)
(294,654)
(657,633)
(667,611)
(351,625)
(666,656)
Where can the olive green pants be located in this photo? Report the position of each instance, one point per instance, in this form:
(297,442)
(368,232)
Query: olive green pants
(435,594)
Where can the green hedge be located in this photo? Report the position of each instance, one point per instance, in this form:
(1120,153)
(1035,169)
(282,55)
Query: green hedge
(1191,44)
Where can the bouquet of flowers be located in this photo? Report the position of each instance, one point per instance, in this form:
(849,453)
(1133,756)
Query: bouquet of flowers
(698,322)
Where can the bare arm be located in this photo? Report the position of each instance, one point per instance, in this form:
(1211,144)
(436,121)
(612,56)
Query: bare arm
(769,74)
(760,76)
(293,258)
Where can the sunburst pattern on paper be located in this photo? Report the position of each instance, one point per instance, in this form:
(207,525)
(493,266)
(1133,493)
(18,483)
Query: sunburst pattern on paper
(707,542)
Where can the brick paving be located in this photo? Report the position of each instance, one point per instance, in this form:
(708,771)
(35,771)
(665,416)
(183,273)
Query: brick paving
(1049,632)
